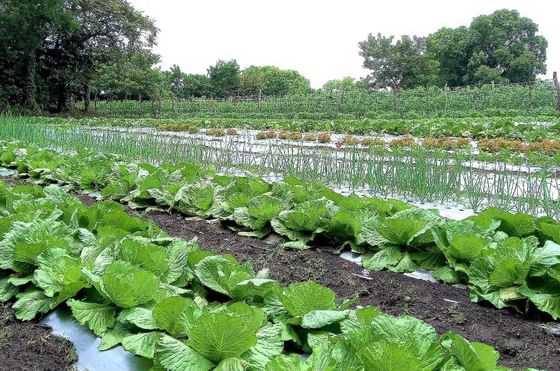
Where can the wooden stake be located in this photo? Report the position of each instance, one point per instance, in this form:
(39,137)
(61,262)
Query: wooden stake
(557,86)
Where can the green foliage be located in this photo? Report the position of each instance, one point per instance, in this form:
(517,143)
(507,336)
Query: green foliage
(506,259)
(131,74)
(224,77)
(64,44)
(272,81)
(403,64)
(497,48)
(345,84)
(127,296)
(504,45)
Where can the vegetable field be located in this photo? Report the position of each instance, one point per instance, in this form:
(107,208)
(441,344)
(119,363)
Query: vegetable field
(158,217)
(133,285)
(470,205)
(166,299)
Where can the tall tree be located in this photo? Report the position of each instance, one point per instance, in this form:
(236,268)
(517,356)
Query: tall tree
(57,46)
(224,77)
(505,44)
(132,75)
(176,80)
(399,64)
(499,47)
(24,27)
(107,28)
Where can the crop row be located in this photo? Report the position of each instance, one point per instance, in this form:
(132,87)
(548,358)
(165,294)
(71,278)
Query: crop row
(536,98)
(541,153)
(420,173)
(506,259)
(493,145)
(525,128)
(165,299)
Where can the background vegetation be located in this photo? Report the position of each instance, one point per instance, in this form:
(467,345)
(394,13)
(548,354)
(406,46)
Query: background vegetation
(54,53)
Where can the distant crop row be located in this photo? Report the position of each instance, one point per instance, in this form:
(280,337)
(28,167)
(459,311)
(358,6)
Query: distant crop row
(525,128)
(534,99)
(504,179)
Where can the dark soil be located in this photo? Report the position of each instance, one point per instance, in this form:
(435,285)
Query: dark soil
(520,341)
(31,346)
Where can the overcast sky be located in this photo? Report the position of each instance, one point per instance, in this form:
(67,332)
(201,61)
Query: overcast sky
(317,38)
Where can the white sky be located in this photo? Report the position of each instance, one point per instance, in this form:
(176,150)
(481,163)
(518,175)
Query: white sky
(317,38)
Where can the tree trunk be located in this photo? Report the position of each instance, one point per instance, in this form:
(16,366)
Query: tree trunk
(395,100)
(446,89)
(87,97)
(29,88)
(557,86)
(62,99)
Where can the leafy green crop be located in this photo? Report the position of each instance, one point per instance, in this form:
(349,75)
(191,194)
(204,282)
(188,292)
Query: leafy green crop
(186,309)
(506,259)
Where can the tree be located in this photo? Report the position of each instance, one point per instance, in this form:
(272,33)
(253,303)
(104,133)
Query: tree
(345,84)
(197,86)
(176,80)
(450,47)
(507,44)
(398,65)
(224,77)
(107,28)
(24,26)
(132,75)
(500,47)
(272,81)
(58,46)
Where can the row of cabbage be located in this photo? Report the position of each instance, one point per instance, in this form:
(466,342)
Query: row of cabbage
(506,259)
(187,309)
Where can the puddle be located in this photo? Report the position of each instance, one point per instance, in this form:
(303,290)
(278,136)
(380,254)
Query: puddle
(422,274)
(86,343)
(351,257)
(6,172)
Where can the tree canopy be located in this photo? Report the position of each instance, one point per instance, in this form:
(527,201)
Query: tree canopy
(224,77)
(59,46)
(272,81)
(499,47)
(399,64)
(345,84)
(52,51)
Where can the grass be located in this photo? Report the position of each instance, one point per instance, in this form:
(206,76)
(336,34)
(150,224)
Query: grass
(455,312)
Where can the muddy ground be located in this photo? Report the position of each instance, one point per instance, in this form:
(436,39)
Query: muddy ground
(30,346)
